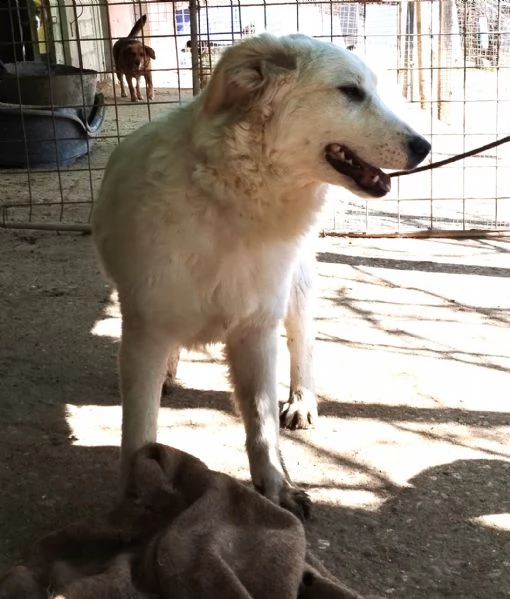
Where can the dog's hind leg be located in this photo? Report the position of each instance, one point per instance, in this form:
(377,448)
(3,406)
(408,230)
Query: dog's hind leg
(300,411)
(142,367)
(252,354)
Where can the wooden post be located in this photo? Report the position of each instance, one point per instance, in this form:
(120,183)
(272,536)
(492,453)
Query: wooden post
(408,87)
(195,52)
(445,55)
(419,52)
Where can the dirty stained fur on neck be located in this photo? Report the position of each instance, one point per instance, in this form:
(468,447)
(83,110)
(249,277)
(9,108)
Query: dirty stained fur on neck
(210,238)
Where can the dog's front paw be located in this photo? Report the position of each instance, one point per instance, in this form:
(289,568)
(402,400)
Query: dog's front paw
(281,491)
(296,501)
(300,411)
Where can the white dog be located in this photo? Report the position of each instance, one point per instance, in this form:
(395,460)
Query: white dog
(202,223)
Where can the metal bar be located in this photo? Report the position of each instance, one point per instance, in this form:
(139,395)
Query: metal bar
(56,226)
(429,234)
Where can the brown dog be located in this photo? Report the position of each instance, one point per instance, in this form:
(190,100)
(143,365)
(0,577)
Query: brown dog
(132,59)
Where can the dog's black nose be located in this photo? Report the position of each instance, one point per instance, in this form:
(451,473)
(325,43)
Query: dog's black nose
(419,147)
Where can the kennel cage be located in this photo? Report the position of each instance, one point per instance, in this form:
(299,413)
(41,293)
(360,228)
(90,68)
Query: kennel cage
(449,59)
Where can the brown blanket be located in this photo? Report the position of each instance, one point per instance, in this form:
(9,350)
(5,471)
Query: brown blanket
(182,532)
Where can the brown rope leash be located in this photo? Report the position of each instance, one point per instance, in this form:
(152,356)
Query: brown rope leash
(439,163)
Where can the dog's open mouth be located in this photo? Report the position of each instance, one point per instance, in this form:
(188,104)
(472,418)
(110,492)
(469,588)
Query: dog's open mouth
(368,178)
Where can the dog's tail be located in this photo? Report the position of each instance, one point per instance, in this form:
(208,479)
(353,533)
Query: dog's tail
(138,26)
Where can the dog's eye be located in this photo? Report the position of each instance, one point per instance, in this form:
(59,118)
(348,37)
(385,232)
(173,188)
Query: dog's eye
(352,92)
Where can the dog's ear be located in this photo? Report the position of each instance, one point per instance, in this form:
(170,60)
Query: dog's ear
(150,52)
(246,71)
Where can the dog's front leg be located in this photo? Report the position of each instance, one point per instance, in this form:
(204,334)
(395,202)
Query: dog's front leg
(131,88)
(138,90)
(120,77)
(300,411)
(150,86)
(142,368)
(252,355)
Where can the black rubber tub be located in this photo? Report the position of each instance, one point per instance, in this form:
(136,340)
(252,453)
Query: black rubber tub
(33,137)
(48,116)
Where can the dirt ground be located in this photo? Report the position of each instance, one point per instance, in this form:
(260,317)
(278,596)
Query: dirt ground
(408,467)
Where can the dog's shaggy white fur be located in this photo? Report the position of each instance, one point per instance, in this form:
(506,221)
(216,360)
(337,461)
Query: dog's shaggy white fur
(203,219)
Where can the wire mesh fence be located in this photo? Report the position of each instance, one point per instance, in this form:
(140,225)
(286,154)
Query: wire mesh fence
(443,62)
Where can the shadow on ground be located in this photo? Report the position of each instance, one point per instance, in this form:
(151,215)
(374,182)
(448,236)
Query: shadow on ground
(459,554)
